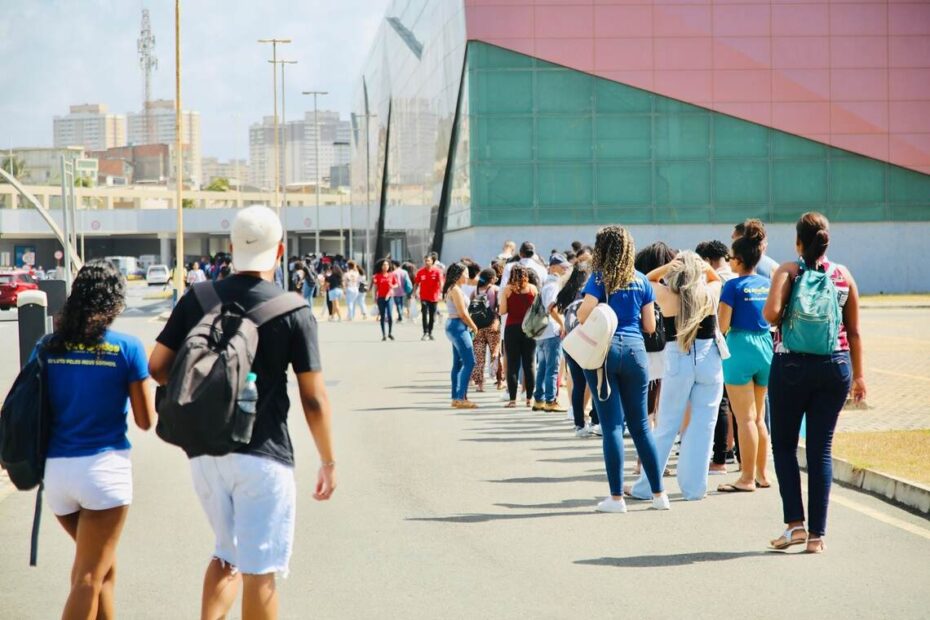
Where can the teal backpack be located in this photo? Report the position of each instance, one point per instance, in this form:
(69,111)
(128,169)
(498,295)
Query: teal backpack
(813,318)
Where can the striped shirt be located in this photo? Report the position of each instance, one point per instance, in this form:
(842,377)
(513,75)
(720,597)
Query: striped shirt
(842,291)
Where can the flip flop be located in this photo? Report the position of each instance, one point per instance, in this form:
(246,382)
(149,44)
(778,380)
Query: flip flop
(787,539)
(759,485)
(511,405)
(732,488)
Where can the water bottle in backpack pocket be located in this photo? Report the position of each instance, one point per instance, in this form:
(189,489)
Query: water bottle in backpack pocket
(246,408)
(813,317)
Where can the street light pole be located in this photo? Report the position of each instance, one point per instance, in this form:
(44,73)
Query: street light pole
(368,262)
(179,157)
(284,177)
(316,146)
(274,90)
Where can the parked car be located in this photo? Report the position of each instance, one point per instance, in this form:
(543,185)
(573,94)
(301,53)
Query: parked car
(12,283)
(157,274)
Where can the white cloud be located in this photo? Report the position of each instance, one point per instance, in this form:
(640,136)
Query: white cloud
(86,53)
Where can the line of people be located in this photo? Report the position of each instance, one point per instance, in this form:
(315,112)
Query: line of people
(721,348)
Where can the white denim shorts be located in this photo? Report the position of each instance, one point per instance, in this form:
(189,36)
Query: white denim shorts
(250,503)
(96,482)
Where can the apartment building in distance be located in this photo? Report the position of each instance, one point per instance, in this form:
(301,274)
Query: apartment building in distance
(162,132)
(236,171)
(90,126)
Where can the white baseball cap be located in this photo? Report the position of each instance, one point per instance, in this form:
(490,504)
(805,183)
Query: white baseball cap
(256,233)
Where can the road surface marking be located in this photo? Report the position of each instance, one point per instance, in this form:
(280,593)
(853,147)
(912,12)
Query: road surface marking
(878,516)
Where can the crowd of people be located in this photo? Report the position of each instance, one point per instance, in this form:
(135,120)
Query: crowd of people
(719,347)
(703,357)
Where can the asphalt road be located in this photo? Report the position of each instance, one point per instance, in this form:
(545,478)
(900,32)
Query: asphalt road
(488,513)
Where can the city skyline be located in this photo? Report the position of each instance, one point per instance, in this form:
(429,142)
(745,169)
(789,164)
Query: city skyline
(227,106)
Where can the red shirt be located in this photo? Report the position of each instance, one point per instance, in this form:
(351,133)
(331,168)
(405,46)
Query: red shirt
(429,279)
(384,283)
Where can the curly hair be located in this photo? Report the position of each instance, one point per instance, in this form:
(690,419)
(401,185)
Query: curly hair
(98,295)
(518,273)
(614,253)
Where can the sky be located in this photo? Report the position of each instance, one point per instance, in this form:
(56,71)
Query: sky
(63,52)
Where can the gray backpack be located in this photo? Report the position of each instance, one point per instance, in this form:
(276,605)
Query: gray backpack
(197,410)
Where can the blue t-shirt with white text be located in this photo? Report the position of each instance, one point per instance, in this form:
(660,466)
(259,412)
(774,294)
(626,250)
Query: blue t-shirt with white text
(746,295)
(626,302)
(89,394)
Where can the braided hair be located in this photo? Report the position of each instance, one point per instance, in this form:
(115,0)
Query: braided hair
(614,254)
(98,295)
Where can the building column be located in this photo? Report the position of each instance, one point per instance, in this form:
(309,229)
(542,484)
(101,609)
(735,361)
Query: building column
(164,244)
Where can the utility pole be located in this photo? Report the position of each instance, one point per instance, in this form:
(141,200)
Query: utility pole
(178,157)
(316,146)
(284,157)
(368,262)
(145,45)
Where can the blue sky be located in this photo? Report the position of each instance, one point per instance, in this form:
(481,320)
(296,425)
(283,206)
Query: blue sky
(62,52)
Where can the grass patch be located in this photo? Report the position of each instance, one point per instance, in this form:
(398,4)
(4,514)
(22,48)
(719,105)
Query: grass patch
(900,453)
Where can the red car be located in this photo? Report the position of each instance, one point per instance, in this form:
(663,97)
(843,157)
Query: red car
(12,283)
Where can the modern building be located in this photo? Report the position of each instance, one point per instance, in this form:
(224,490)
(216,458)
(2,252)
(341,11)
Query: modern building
(89,126)
(298,161)
(162,131)
(42,165)
(546,119)
(236,171)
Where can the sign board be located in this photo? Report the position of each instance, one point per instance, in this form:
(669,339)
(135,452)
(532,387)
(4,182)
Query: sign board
(25,255)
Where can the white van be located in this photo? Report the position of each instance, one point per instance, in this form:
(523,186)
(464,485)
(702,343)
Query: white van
(157,274)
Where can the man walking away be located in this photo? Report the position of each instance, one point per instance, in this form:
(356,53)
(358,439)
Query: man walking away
(249,495)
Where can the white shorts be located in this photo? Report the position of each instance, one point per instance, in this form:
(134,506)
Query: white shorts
(97,482)
(250,504)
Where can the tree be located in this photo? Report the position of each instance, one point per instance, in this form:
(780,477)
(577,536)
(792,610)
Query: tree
(81,181)
(219,184)
(14,166)
(187,203)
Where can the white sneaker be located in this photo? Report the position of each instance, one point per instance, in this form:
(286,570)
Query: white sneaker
(582,431)
(611,505)
(661,502)
(596,430)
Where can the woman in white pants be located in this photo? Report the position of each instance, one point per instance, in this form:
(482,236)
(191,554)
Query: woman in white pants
(693,370)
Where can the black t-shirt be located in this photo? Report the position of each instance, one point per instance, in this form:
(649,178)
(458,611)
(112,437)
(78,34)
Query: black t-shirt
(289,339)
(335,280)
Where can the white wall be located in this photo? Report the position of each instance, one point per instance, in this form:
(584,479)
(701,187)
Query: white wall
(884,257)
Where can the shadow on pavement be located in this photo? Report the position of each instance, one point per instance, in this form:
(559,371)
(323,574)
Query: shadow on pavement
(545,479)
(485,518)
(565,503)
(676,559)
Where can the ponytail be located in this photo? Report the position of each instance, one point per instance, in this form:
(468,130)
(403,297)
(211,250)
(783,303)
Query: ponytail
(813,231)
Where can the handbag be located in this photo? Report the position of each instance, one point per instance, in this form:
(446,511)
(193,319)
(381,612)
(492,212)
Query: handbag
(589,343)
(656,341)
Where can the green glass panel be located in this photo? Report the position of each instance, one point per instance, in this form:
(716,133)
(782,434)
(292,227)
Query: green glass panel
(563,90)
(737,138)
(683,136)
(788,145)
(682,183)
(624,184)
(858,213)
(741,181)
(915,213)
(788,213)
(732,215)
(485,56)
(683,215)
(856,179)
(500,92)
(624,215)
(568,185)
(564,137)
(624,137)
(510,217)
(673,106)
(908,186)
(613,98)
(562,216)
(799,182)
(503,185)
(503,138)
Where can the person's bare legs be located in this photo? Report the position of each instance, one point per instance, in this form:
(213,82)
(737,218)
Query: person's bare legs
(96,535)
(743,404)
(762,432)
(259,597)
(220,589)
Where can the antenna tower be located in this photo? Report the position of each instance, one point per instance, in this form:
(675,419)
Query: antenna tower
(147,62)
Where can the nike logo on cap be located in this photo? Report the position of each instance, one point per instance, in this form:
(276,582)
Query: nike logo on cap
(248,242)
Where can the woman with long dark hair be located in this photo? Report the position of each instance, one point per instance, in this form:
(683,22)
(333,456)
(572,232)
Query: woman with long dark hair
(335,292)
(812,384)
(616,282)
(94,373)
(489,336)
(519,348)
(384,281)
(460,330)
(567,302)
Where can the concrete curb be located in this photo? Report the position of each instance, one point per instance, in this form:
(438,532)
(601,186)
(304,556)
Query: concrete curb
(905,493)
(912,306)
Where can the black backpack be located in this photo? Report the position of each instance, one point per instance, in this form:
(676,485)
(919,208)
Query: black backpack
(25,424)
(655,342)
(480,311)
(197,409)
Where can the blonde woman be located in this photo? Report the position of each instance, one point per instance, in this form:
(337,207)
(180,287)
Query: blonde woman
(693,371)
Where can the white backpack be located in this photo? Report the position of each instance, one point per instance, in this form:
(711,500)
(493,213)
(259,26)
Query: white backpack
(589,342)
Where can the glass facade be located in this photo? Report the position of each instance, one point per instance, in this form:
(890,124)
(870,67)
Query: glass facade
(549,145)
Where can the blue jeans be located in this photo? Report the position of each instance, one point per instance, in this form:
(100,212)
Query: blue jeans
(816,385)
(578,387)
(384,309)
(628,377)
(696,378)
(548,356)
(399,304)
(463,357)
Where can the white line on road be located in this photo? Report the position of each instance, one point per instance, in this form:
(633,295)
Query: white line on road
(878,516)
